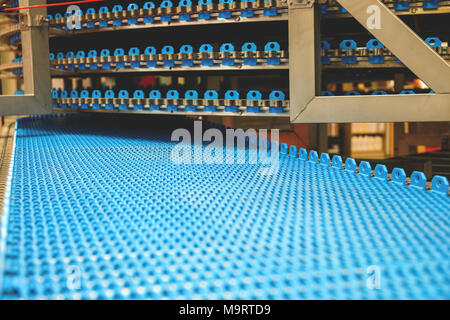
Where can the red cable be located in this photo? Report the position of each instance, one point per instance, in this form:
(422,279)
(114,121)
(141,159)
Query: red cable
(52,5)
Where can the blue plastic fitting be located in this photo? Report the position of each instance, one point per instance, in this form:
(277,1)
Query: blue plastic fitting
(172,94)
(191,95)
(210,95)
(206,47)
(249,47)
(155,94)
(272,46)
(348,45)
(227,47)
(131,7)
(231,95)
(253,95)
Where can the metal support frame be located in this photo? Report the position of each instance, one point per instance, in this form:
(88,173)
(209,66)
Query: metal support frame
(304,67)
(36,65)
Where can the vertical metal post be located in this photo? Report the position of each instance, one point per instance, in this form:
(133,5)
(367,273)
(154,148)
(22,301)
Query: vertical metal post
(35,50)
(36,65)
(304,55)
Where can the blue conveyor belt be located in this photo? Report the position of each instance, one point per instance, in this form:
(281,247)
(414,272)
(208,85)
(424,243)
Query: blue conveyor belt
(95,209)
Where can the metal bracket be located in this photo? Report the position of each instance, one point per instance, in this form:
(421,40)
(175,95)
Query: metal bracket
(305,74)
(27,20)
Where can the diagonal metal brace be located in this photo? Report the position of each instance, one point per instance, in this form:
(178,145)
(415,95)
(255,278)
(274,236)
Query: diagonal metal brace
(414,53)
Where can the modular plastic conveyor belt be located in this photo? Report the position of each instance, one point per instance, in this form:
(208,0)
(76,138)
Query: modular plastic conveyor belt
(99,198)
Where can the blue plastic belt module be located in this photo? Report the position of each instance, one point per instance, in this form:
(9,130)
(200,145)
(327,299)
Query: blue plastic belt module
(97,210)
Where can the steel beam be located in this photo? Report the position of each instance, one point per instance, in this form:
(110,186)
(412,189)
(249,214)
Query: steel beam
(383,108)
(418,56)
(21,105)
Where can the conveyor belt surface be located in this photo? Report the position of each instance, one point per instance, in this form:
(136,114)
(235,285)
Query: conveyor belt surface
(96,210)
